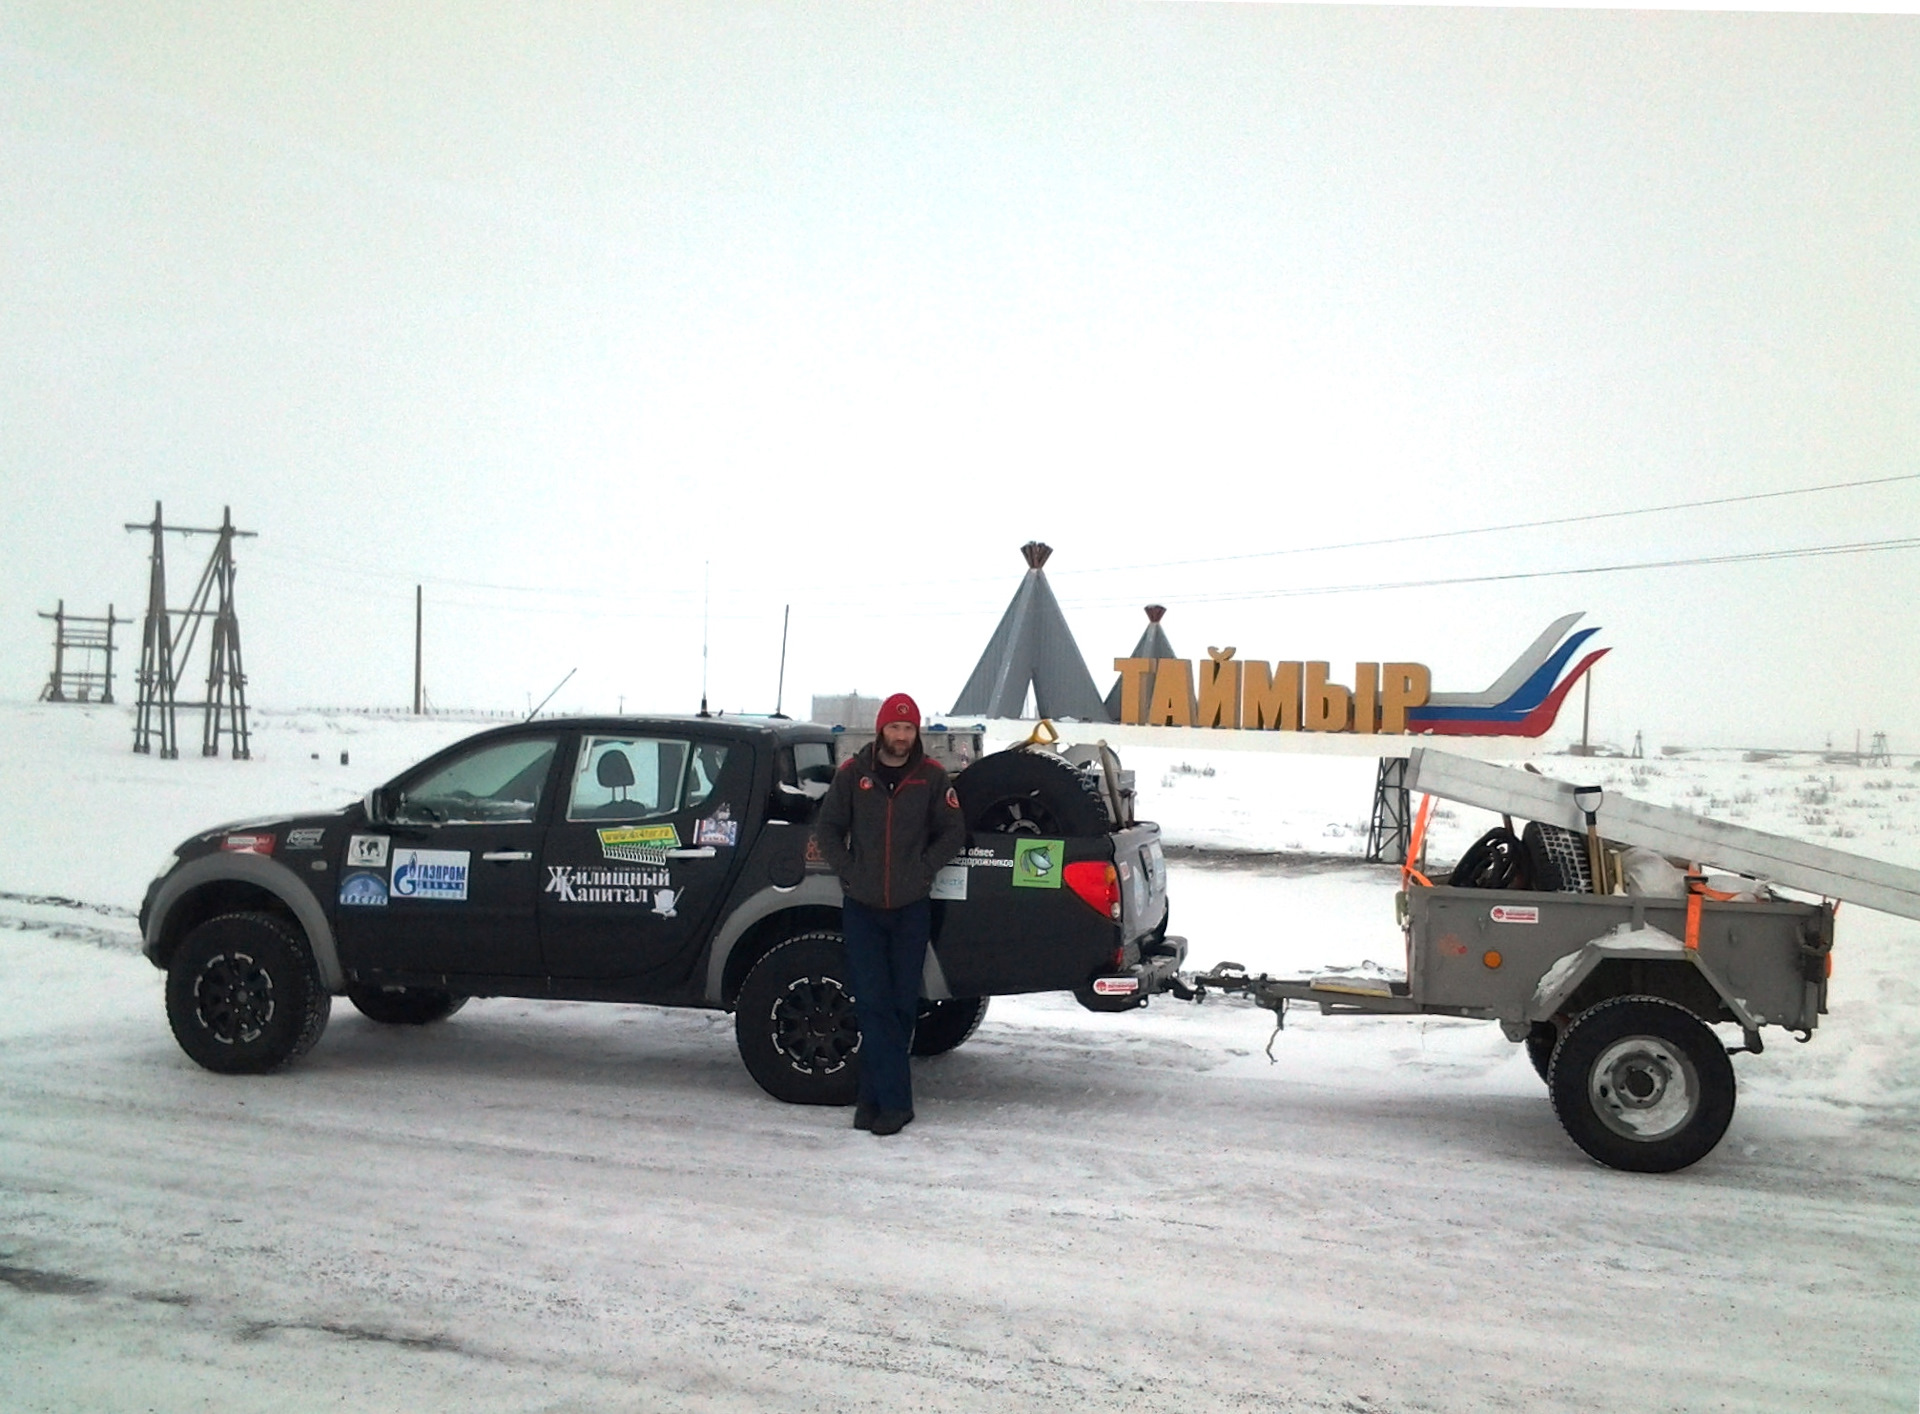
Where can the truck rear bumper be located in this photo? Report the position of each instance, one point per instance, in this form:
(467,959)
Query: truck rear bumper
(1132,985)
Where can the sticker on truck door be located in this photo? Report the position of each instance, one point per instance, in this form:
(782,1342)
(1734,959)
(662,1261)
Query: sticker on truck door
(1036,863)
(950,883)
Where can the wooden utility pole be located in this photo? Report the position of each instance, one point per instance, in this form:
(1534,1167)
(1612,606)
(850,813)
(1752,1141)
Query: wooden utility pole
(417,613)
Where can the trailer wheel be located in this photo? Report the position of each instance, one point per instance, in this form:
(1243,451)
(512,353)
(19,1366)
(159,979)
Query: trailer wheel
(1540,1043)
(1030,793)
(1642,1084)
(1557,859)
(943,1025)
(795,1025)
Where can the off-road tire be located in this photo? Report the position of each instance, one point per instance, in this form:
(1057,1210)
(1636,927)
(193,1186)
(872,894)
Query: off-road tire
(946,1024)
(1557,859)
(795,1025)
(1540,1043)
(1642,1084)
(1497,860)
(405,1006)
(243,994)
(1023,792)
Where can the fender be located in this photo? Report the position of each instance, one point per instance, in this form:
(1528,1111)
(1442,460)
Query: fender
(815,890)
(1560,981)
(262,872)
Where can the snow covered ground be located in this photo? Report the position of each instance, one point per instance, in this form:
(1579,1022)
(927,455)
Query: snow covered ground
(559,1206)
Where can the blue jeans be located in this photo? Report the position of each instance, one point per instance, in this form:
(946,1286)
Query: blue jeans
(886,951)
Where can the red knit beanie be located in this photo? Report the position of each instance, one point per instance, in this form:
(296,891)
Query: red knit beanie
(897,708)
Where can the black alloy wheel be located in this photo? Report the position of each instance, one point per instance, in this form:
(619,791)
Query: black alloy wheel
(243,995)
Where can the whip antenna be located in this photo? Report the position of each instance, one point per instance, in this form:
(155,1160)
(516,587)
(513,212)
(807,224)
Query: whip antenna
(779,692)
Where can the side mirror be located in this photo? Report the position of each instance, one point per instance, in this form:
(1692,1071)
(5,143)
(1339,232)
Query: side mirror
(382,805)
(793,804)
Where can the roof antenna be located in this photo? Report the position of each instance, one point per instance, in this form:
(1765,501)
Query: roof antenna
(549,697)
(780,692)
(706,601)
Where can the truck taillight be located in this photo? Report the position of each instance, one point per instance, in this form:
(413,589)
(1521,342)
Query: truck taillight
(1098,884)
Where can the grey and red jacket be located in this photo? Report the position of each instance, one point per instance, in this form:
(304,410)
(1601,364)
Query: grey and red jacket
(886,846)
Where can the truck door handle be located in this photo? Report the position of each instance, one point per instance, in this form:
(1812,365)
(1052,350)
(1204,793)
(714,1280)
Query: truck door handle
(505,856)
(704,852)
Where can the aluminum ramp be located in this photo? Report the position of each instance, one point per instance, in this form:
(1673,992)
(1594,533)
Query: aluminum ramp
(1831,873)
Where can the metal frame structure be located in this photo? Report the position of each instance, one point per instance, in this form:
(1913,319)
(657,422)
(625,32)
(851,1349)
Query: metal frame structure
(164,657)
(94,642)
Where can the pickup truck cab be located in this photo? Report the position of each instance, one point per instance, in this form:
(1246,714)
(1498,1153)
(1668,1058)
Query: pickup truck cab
(658,860)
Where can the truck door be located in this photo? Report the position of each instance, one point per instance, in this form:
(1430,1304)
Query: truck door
(449,886)
(638,862)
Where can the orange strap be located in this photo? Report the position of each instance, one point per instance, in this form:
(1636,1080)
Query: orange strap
(1696,891)
(1409,870)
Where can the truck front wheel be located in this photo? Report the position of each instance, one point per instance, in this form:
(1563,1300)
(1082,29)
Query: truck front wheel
(243,996)
(1642,1084)
(795,1026)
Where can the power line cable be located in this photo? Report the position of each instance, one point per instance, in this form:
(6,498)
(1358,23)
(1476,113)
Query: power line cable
(1743,557)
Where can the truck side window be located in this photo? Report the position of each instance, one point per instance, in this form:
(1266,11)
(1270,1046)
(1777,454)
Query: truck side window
(813,766)
(501,782)
(627,778)
(703,771)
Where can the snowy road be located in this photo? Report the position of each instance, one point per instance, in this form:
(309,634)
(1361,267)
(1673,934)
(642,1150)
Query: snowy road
(544,1205)
(552,1206)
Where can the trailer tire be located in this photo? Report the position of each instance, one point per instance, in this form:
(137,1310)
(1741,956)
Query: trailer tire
(1642,1084)
(1540,1043)
(1557,859)
(944,1025)
(795,1025)
(1023,792)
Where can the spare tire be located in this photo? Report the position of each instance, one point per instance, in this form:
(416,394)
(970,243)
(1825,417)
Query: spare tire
(1023,792)
(1557,859)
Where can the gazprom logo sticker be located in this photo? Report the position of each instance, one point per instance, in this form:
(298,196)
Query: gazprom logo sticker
(431,874)
(363,891)
(1036,863)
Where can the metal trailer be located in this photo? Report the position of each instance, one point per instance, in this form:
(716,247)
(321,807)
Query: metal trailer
(1614,995)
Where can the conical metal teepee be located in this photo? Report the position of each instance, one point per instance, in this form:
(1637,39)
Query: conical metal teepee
(1153,644)
(1032,647)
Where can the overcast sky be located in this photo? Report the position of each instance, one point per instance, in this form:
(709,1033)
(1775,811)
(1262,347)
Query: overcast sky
(559,310)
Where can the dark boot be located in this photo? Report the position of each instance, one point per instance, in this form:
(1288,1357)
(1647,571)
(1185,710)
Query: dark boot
(864,1114)
(891,1121)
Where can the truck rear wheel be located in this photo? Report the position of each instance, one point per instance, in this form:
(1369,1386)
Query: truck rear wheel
(943,1025)
(1642,1084)
(1030,793)
(795,1025)
(405,1006)
(243,995)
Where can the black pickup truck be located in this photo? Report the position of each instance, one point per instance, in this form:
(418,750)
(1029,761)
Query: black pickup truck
(656,860)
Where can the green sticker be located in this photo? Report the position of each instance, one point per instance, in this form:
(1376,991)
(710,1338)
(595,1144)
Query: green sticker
(1036,863)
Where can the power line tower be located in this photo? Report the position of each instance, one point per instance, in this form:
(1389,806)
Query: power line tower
(1877,753)
(161,667)
(92,642)
(1392,827)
